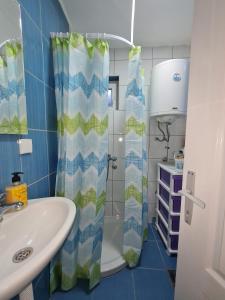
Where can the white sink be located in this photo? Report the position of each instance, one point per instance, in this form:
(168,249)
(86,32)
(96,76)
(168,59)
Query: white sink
(42,225)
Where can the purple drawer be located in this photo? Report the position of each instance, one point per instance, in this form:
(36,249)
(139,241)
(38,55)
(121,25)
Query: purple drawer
(177,183)
(165,177)
(163,211)
(173,240)
(164,194)
(176,203)
(162,227)
(175,223)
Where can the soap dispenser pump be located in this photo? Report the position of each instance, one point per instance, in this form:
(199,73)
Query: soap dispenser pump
(17,191)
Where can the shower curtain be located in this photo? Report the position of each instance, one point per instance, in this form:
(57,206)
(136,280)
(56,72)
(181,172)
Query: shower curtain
(136,207)
(13,117)
(81,72)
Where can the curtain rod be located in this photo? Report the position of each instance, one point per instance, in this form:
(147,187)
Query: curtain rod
(90,35)
(10,40)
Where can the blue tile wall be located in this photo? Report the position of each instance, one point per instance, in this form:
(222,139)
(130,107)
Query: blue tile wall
(39,18)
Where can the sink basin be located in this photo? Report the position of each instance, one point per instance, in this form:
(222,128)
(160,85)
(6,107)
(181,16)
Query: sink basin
(40,228)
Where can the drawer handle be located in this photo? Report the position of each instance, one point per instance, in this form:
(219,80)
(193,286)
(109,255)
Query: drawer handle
(187,194)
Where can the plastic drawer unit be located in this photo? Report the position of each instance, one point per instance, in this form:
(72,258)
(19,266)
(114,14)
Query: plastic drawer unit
(168,205)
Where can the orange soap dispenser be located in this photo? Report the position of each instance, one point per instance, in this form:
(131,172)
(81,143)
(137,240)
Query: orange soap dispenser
(17,191)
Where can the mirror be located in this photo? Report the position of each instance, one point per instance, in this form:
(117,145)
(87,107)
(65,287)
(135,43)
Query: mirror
(13,116)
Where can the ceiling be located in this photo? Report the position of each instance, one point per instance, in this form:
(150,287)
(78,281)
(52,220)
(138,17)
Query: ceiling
(157,22)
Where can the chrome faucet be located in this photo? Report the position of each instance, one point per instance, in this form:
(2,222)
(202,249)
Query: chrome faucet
(114,166)
(113,159)
(6,207)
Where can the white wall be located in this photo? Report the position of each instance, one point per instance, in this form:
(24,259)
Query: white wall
(119,66)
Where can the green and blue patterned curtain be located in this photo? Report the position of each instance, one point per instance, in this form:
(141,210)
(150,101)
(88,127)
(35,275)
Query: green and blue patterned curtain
(136,207)
(13,117)
(81,83)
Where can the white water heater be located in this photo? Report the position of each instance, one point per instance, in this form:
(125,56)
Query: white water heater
(169,90)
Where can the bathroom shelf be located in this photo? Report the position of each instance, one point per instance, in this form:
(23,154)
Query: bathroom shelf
(166,224)
(169,250)
(168,206)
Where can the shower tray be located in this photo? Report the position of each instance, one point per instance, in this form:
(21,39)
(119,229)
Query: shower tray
(111,259)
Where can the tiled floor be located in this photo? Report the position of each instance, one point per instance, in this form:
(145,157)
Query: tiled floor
(149,281)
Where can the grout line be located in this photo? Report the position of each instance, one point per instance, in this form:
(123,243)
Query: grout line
(45,37)
(32,75)
(164,263)
(40,179)
(50,87)
(45,100)
(29,16)
(152,269)
(21,162)
(39,79)
(54,172)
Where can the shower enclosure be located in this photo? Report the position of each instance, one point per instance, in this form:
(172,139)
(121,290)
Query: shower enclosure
(126,209)
(111,259)
(114,211)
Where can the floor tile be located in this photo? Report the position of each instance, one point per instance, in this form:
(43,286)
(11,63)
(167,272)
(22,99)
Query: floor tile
(117,287)
(150,257)
(150,280)
(80,292)
(152,284)
(170,262)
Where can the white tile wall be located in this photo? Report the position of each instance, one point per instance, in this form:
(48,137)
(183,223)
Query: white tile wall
(110,175)
(119,122)
(110,143)
(121,69)
(110,123)
(152,165)
(147,53)
(109,188)
(151,211)
(112,68)
(121,54)
(108,208)
(111,54)
(119,174)
(157,149)
(176,142)
(119,145)
(153,128)
(178,127)
(162,52)
(147,65)
(152,188)
(118,209)
(118,190)
(181,52)
(122,94)
(119,66)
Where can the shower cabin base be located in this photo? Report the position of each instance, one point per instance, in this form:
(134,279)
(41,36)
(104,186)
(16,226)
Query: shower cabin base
(111,259)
